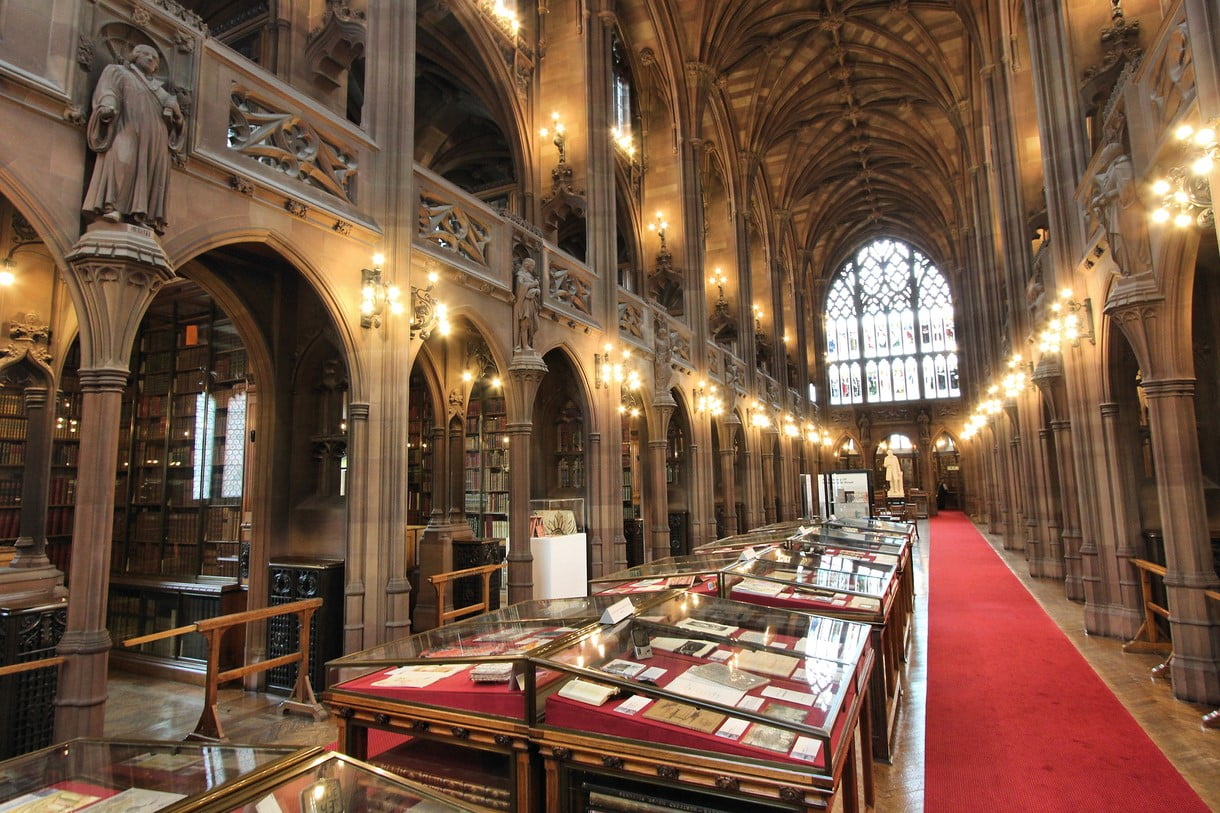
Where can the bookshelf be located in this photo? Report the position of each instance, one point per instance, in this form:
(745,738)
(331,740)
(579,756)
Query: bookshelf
(65,449)
(420,422)
(569,454)
(12,461)
(180,480)
(486,464)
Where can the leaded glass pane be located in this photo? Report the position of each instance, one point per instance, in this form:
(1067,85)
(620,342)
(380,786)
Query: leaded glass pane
(870,378)
(884,382)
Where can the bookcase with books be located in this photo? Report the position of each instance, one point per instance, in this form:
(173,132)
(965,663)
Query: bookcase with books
(486,464)
(420,422)
(65,449)
(12,462)
(181,469)
(569,453)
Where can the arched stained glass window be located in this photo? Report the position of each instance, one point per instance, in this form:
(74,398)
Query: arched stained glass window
(891,307)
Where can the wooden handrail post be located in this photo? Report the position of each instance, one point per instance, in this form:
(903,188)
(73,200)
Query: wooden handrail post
(213,629)
(1147,637)
(440,583)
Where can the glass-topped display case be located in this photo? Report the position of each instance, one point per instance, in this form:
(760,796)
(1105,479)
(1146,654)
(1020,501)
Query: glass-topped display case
(334,782)
(691,684)
(847,586)
(115,775)
(907,529)
(452,707)
(696,572)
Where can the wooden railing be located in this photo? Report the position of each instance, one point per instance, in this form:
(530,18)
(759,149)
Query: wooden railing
(29,666)
(1212,718)
(213,629)
(441,583)
(1147,637)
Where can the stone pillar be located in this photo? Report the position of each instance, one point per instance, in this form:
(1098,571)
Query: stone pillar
(767,465)
(1194,625)
(1073,578)
(354,633)
(117,270)
(526,372)
(1052,563)
(728,479)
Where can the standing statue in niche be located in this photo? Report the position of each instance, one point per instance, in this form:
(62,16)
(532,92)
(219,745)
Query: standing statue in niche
(529,292)
(893,474)
(1116,205)
(137,130)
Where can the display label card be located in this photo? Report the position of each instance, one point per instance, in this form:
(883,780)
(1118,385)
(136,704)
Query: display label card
(747,553)
(733,728)
(617,611)
(720,655)
(417,677)
(651,674)
(751,702)
(789,696)
(799,675)
(806,748)
(634,704)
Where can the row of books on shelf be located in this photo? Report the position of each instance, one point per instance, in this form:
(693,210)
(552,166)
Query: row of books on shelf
(495,529)
(10,491)
(570,438)
(62,490)
(571,473)
(10,523)
(66,429)
(59,521)
(12,453)
(487,406)
(497,502)
(10,403)
(222,523)
(13,428)
(485,423)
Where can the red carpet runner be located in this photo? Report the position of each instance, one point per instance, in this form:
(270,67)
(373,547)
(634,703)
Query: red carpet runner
(1016,718)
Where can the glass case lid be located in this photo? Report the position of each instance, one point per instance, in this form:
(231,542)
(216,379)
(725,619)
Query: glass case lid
(700,662)
(510,632)
(119,775)
(335,782)
(871,523)
(831,572)
(818,538)
(667,573)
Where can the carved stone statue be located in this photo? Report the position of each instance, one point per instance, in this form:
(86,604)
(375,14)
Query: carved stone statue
(529,292)
(1117,207)
(662,372)
(893,474)
(137,129)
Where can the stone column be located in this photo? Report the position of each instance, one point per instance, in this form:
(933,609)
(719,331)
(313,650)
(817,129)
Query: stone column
(728,479)
(354,633)
(1052,565)
(1073,579)
(1194,627)
(116,270)
(767,466)
(525,372)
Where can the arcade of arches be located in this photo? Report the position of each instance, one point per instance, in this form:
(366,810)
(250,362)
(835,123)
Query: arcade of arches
(428,269)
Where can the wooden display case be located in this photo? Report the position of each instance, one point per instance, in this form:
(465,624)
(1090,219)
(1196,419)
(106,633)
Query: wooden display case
(696,702)
(414,706)
(854,585)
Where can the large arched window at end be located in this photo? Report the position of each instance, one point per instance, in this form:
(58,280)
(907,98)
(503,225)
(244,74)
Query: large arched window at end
(889,315)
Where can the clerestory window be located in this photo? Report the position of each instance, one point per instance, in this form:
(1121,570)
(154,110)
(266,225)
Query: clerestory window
(890,333)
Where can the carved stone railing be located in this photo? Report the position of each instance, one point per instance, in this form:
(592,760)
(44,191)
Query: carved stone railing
(275,140)
(569,288)
(634,316)
(461,231)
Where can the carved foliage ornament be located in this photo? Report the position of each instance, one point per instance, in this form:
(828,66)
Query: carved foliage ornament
(450,227)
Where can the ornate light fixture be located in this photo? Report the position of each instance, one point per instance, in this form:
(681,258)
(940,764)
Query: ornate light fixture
(1065,324)
(560,140)
(609,370)
(659,226)
(1014,382)
(1185,193)
(719,279)
(623,141)
(427,313)
(707,399)
(376,294)
(759,416)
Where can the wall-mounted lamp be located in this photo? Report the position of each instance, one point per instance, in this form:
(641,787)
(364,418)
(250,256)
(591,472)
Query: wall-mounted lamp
(759,416)
(718,279)
(1185,193)
(561,138)
(609,370)
(707,399)
(758,315)
(1070,320)
(623,141)
(790,427)
(427,313)
(659,226)
(505,16)
(1014,382)
(376,295)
